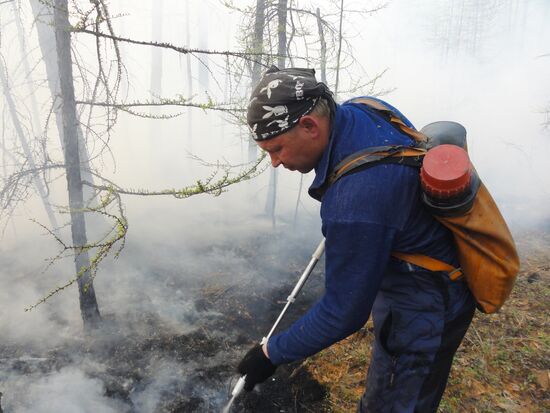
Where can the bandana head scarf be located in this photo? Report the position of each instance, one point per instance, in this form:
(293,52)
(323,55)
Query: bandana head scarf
(281,98)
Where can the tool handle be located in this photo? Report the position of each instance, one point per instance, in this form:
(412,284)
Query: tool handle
(317,254)
(303,278)
(319,251)
(239,386)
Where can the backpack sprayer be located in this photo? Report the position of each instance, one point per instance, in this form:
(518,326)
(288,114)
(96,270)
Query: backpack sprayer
(290,299)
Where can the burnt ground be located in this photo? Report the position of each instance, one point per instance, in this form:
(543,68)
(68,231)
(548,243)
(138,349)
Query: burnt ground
(146,365)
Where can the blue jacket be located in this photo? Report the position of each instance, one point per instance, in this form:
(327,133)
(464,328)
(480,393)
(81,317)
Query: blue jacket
(365,216)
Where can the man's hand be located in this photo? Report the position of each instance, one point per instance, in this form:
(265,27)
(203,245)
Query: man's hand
(256,366)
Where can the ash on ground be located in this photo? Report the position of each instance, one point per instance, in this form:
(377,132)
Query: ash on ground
(146,361)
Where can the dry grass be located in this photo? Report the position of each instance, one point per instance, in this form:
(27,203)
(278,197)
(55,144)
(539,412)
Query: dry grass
(503,364)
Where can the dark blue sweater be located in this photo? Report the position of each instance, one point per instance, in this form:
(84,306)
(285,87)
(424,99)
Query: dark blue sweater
(365,216)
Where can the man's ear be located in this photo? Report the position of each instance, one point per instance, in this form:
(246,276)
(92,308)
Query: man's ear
(310,123)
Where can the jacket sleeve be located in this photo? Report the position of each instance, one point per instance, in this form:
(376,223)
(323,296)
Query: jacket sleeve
(357,254)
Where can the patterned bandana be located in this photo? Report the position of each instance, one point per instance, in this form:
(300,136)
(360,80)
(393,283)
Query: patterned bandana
(281,98)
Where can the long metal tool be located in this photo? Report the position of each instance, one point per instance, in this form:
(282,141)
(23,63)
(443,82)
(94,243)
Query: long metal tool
(290,299)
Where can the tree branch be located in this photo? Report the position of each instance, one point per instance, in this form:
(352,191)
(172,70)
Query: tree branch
(246,56)
(206,186)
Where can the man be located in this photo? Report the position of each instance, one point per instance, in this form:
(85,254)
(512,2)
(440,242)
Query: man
(420,317)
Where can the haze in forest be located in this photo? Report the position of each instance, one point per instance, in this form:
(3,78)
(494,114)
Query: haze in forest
(484,64)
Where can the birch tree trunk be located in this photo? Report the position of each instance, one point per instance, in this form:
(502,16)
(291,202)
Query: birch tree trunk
(88,303)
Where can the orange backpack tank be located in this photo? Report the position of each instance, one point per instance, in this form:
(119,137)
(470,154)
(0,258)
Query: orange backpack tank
(485,247)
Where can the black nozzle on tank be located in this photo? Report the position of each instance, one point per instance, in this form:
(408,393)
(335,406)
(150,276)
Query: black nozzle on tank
(445,132)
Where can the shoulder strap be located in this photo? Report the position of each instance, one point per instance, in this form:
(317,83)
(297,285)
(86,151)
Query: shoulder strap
(358,161)
(365,158)
(392,154)
(392,118)
(411,156)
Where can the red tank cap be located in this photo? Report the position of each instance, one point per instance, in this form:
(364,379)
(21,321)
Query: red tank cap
(446,171)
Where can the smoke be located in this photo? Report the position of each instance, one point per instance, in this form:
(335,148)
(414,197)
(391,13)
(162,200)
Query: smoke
(23,281)
(66,391)
(199,278)
(176,383)
(178,307)
(168,377)
(476,63)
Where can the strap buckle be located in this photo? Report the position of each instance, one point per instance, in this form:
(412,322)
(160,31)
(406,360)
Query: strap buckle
(456,271)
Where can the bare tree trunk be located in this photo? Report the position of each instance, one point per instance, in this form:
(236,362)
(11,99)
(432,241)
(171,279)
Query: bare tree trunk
(122,48)
(282,11)
(26,149)
(88,303)
(257,47)
(189,80)
(28,76)
(295,220)
(323,64)
(323,47)
(339,50)
(156,52)
(156,149)
(258,40)
(43,15)
(204,74)
(3,146)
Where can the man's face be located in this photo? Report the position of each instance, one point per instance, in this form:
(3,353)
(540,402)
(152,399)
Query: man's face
(301,147)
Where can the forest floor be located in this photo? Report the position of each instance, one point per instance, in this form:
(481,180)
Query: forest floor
(503,364)
(142,364)
(140,361)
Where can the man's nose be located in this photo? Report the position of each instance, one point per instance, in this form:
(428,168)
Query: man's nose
(275,161)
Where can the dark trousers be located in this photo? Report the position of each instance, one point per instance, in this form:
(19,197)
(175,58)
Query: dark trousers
(419,322)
